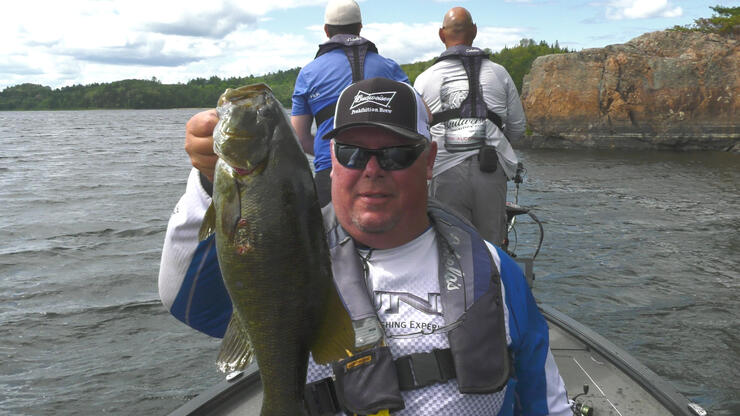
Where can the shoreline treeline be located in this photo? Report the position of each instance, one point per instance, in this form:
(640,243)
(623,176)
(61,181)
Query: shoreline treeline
(203,93)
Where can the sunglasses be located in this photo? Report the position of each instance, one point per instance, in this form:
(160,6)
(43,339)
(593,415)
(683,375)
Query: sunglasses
(389,158)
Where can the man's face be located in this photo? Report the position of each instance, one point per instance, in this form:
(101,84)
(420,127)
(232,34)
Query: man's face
(381,208)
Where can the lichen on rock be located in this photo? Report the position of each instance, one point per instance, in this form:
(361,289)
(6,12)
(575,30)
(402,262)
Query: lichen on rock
(667,89)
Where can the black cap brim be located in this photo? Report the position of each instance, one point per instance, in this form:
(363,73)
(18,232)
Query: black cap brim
(401,131)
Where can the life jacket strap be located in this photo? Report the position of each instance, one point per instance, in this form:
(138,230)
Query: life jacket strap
(424,369)
(325,113)
(356,57)
(414,371)
(454,113)
(355,48)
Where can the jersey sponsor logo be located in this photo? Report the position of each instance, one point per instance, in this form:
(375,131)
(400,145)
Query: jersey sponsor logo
(452,277)
(431,306)
(423,327)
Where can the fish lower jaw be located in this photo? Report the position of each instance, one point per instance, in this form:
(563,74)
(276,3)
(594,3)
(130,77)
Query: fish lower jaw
(243,172)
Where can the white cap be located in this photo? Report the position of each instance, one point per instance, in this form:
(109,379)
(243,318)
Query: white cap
(342,12)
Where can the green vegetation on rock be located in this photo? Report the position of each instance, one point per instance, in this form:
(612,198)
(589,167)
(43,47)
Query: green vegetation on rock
(725,21)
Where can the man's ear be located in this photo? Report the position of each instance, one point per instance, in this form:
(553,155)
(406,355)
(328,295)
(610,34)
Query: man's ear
(326,30)
(333,158)
(432,156)
(442,35)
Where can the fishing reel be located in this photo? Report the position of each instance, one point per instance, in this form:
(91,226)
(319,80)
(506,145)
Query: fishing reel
(513,210)
(581,409)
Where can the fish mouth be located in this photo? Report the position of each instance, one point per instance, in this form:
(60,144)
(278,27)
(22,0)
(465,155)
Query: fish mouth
(242,93)
(244,172)
(241,171)
(244,155)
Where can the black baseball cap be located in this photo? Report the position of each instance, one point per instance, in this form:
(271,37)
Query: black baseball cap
(384,103)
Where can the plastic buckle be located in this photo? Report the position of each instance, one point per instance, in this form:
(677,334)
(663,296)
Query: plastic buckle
(321,398)
(426,370)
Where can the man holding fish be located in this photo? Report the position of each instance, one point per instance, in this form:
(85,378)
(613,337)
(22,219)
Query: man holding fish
(444,322)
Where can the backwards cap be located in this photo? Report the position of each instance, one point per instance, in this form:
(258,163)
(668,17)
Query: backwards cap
(342,12)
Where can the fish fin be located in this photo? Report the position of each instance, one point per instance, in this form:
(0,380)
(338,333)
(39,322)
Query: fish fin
(335,335)
(236,349)
(209,223)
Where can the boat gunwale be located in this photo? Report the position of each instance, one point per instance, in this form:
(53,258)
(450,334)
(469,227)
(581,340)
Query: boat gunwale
(654,384)
(207,401)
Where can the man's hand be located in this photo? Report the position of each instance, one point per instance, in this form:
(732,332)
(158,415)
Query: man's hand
(199,142)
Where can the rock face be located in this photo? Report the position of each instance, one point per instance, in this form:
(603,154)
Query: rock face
(668,89)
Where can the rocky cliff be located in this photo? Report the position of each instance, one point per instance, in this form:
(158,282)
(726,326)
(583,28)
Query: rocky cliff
(666,89)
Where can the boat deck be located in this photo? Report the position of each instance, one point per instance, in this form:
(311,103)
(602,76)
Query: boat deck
(618,384)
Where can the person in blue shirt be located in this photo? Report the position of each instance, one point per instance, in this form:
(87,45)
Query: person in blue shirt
(344,58)
(455,313)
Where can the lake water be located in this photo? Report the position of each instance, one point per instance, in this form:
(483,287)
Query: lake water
(643,247)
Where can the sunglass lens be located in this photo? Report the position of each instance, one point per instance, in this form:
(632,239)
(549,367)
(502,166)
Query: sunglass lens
(389,158)
(395,158)
(351,156)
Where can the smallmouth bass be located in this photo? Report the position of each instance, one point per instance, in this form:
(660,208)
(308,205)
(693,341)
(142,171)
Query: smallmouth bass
(272,251)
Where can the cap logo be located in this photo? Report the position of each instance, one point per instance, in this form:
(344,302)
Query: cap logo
(380,100)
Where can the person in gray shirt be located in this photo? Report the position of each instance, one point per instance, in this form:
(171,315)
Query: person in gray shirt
(477,113)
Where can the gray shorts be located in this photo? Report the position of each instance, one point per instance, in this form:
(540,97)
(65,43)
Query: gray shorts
(478,196)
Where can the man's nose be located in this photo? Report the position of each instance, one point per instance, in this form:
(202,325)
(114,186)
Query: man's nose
(373,167)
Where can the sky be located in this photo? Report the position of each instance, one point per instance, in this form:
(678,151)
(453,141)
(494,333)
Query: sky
(62,43)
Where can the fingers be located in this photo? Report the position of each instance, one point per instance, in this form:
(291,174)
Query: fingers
(205,164)
(199,141)
(202,124)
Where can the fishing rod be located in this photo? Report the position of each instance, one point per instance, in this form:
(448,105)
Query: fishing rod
(514,209)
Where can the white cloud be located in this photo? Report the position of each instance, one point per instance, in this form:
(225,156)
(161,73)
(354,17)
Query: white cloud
(258,52)
(404,43)
(407,43)
(495,38)
(86,41)
(641,9)
(83,41)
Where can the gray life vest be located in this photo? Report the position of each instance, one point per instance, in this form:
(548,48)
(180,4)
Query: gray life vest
(470,287)
(355,47)
(464,124)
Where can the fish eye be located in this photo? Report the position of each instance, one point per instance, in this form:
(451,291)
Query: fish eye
(264,112)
